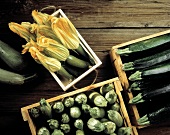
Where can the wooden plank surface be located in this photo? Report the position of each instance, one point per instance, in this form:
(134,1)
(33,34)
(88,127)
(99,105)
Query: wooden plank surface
(102,23)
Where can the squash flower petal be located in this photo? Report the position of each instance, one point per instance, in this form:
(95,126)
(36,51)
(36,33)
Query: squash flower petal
(21,31)
(66,32)
(49,63)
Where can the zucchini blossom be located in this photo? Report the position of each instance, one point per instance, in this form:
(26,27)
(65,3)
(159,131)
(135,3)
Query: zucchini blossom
(65,127)
(97,112)
(65,118)
(58,107)
(53,124)
(68,101)
(45,108)
(57,132)
(43,131)
(75,112)
(81,98)
(79,124)
(110,127)
(95,125)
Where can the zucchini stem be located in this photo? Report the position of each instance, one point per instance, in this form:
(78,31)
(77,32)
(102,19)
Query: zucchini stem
(135,76)
(123,51)
(128,66)
(137,99)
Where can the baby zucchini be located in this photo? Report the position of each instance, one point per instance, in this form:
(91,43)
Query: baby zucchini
(144,45)
(12,78)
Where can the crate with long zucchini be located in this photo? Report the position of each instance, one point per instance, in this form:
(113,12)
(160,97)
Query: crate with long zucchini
(143,67)
(94,109)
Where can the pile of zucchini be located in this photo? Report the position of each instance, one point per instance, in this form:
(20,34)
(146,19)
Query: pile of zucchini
(147,65)
(94,112)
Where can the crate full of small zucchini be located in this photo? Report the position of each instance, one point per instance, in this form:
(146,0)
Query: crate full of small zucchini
(96,109)
(143,66)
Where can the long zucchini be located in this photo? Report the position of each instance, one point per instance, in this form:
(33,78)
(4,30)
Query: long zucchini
(12,58)
(148,95)
(147,61)
(11,78)
(154,71)
(144,45)
(155,117)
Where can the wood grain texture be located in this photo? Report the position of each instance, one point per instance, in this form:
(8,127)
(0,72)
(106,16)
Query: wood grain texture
(102,23)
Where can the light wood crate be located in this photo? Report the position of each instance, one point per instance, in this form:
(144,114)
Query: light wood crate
(118,89)
(117,66)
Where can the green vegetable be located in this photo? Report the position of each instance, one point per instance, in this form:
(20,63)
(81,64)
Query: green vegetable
(79,124)
(75,112)
(43,131)
(148,95)
(150,72)
(95,125)
(97,99)
(144,45)
(111,96)
(147,61)
(115,117)
(86,108)
(81,98)
(35,112)
(57,132)
(79,132)
(124,131)
(45,108)
(68,101)
(106,88)
(155,117)
(115,106)
(12,58)
(11,78)
(103,120)
(65,128)
(97,112)
(110,127)
(53,123)
(58,107)
(65,118)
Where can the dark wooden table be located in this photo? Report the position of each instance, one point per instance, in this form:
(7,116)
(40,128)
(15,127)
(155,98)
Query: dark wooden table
(102,23)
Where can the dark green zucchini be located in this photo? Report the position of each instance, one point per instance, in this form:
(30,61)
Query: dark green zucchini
(155,117)
(11,78)
(144,45)
(154,71)
(148,95)
(147,61)
(12,58)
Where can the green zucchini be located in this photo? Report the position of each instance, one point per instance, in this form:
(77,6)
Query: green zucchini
(147,61)
(12,58)
(154,71)
(11,78)
(144,45)
(155,117)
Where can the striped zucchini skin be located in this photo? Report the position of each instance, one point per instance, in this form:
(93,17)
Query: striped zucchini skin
(11,78)
(145,45)
(12,58)
(147,61)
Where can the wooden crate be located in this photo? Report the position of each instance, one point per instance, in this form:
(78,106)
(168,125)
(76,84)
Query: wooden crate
(117,65)
(118,89)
